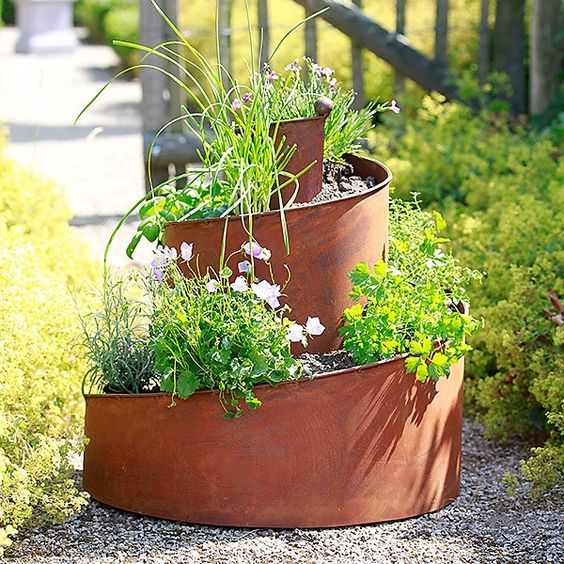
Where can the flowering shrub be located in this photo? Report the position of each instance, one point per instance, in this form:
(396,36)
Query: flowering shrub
(40,370)
(412,306)
(197,333)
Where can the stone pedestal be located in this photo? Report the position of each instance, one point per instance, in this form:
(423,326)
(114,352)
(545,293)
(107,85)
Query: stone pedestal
(45,26)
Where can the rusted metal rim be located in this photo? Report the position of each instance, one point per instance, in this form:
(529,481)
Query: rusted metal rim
(352,447)
(296,209)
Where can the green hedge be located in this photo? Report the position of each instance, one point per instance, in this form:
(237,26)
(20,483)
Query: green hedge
(40,367)
(107,20)
(499,185)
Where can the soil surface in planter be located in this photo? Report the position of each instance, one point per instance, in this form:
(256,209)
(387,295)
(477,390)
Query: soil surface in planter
(321,363)
(340,181)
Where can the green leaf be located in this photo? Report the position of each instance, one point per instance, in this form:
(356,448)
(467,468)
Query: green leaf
(133,244)
(187,383)
(225,272)
(151,231)
(380,268)
(359,274)
(440,359)
(422,372)
(440,222)
(411,363)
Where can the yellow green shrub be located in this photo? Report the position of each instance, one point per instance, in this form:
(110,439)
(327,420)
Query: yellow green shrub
(40,366)
(500,188)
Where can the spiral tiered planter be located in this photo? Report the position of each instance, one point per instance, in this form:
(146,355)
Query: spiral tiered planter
(348,447)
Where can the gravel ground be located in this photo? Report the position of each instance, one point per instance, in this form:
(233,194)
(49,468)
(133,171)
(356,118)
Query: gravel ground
(483,525)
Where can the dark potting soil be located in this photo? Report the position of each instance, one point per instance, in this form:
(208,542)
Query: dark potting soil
(339,181)
(320,363)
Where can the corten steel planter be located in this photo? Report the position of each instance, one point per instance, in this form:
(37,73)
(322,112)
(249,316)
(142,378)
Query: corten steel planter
(350,447)
(307,134)
(326,241)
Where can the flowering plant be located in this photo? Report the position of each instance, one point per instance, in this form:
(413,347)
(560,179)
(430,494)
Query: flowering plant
(210,333)
(205,332)
(243,164)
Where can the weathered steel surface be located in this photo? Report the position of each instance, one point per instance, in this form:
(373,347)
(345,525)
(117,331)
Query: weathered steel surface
(307,134)
(326,241)
(351,447)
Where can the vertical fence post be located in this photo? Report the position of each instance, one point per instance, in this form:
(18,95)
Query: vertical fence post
(310,38)
(264,32)
(153,105)
(224,22)
(399,78)
(175,98)
(441,33)
(357,70)
(484,42)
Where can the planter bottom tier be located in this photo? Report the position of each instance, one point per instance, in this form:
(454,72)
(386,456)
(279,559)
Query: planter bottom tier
(349,447)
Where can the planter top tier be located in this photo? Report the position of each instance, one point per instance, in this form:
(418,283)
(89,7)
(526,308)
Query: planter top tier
(307,134)
(354,446)
(326,241)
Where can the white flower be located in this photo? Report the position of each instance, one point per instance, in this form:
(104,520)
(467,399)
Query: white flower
(240,285)
(267,292)
(313,326)
(163,255)
(212,286)
(186,251)
(296,333)
(244,266)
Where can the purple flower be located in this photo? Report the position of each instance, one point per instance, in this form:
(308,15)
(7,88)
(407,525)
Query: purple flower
(236,104)
(272,76)
(317,70)
(186,251)
(244,266)
(313,326)
(158,275)
(258,252)
(327,72)
(295,334)
(294,66)
(247,96)
(394,107)
(267,292)
(240,285)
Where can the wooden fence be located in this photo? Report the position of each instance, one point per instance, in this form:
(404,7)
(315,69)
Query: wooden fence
(507,51)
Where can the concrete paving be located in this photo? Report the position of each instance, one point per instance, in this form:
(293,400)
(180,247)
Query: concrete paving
(99,162)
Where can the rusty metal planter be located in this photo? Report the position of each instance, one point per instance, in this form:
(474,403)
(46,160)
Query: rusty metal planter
(350,447)
(326,241)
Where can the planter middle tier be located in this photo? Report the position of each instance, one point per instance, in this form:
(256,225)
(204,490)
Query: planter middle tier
(326,241)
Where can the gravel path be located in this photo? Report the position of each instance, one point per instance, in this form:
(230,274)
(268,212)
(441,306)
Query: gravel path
(483,525)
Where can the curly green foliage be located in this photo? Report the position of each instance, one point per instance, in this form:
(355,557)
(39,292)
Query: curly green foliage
(120,359)
(448,153)
(222,340)
(411,306)
(500,186)
(40,371)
